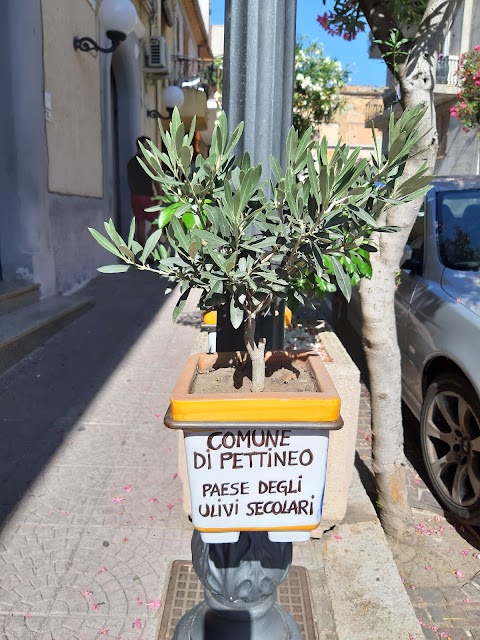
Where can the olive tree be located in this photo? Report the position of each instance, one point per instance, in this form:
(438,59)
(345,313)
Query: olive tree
(241,246)
(412,61)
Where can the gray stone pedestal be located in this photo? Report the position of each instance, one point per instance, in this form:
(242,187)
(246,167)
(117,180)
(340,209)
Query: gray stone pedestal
(240,581)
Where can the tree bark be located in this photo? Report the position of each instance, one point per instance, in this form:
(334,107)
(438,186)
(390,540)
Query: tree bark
(379,335)
(256,353)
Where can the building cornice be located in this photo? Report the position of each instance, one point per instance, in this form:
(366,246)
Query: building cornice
(195,18)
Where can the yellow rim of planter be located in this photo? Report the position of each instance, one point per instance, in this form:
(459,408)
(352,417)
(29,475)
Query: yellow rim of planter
(305,527)
(269,409)
(320,406)
(210,317)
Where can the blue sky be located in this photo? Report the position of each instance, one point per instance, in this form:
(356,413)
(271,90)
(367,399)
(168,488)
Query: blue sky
(353,55)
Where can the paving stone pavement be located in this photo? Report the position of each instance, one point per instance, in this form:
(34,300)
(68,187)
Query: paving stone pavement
(91,506)
(91,513)
(441,573)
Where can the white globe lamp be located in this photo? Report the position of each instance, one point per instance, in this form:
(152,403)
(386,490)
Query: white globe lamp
(118,15)
(173,97)
(118,18)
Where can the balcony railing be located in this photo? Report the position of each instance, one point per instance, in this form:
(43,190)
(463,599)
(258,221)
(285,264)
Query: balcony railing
(196,73)
(379,106)
(373,109)
(447,70)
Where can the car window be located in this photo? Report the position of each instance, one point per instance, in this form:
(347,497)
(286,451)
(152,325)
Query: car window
(458,229)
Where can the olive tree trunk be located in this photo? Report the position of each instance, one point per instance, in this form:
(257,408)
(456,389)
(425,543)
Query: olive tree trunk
(256,353)
(379,335)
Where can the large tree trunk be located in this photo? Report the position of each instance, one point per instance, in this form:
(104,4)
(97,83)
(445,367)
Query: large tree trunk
(377,295)
(383,359)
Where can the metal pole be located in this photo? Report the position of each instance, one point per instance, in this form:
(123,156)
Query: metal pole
(258,75)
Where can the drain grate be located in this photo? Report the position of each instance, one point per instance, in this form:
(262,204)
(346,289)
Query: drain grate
(185,591)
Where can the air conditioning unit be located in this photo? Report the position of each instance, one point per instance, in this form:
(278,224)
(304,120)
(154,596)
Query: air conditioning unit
(158,56)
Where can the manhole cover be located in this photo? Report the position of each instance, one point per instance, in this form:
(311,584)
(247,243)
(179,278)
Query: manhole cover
(185,591)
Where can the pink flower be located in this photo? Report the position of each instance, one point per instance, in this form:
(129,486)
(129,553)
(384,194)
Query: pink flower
(476,48)
(102,570)
(466,601)
(104,632)
(154,604)
(338,537)
(139,602)
(153,499)
(465,552)
(127,488)
(323,21)
(170,505)
(137,624)
(175,476)
(117,500)
(459,574)
(94,607)
(87,594)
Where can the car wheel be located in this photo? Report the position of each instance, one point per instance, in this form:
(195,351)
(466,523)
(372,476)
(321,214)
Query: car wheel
(450,437)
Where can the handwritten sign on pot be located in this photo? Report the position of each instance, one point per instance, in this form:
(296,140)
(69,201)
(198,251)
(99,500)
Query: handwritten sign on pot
(258,478)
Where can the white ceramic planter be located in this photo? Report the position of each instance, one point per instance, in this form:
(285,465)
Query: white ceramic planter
(256,479)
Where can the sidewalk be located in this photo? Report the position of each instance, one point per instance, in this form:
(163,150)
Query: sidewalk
(441,573)
(90,499)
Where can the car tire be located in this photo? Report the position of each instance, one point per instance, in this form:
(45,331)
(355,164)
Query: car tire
(450,439)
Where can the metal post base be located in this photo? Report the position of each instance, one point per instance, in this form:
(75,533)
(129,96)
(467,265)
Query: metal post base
(240,581)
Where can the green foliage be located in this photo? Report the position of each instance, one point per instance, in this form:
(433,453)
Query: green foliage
(317,86)
(346,18)
(467,109)
(394,49)
(244,247)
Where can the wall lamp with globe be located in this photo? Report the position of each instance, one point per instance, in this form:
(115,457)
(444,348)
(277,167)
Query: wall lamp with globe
(118,18)
(172,97)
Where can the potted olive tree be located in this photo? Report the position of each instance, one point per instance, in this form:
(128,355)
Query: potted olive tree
(257,454)
(244,242)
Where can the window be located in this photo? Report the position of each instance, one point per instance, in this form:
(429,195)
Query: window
(458,227)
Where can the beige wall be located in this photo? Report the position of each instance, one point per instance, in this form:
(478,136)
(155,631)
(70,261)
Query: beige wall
(72,78)
(349,124)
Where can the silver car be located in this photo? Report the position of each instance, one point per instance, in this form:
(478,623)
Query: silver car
(438,323)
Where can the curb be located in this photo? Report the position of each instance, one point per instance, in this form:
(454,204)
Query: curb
(368,599)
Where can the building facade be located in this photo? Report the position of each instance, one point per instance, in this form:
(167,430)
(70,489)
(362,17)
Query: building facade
(349,123)
(70,122)
(458,151)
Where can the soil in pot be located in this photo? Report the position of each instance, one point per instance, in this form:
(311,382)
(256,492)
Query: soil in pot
(278,379)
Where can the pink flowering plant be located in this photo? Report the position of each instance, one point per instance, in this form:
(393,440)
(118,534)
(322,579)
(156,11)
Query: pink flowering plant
(467,109)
